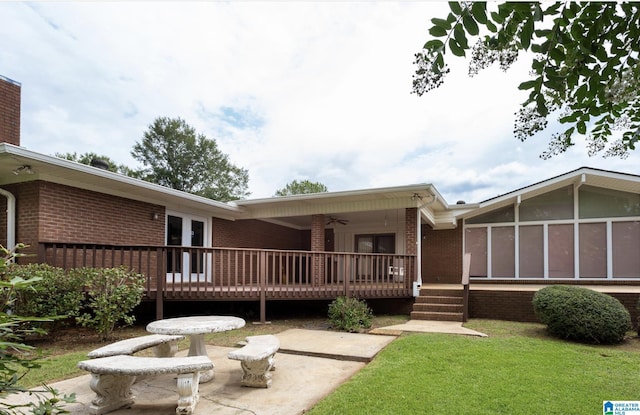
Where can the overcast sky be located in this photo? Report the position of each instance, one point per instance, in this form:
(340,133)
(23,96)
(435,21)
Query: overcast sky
(289,90)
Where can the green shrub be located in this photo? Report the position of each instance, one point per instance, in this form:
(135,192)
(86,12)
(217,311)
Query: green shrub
(16,357)
(112,295)
(581,314)
(638,321)
(57,293)
(349,314)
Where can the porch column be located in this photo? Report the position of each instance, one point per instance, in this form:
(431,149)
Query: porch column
(411,240)
(317,245)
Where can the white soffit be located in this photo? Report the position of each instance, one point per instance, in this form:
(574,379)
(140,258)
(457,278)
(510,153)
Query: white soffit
(342,202)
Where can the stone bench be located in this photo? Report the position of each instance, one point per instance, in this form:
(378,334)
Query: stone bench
(257,360)
(163,346)
(113,376)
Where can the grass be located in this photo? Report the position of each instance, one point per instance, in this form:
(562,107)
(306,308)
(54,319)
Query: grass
(518,369)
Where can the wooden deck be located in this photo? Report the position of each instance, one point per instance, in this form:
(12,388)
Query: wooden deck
(237,274)
(283,292)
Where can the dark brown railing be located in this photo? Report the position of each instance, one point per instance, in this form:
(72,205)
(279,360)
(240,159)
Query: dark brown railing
(189,273)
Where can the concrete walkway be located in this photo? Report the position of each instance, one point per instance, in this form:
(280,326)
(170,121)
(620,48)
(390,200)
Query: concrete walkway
(428,326)
(309,366)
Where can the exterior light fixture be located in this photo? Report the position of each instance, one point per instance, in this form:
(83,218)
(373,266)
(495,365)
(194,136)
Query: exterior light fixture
(25,168)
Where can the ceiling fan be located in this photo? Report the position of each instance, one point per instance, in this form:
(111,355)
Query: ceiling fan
(333,220)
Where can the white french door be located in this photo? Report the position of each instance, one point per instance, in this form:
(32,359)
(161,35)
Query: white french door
(184,265)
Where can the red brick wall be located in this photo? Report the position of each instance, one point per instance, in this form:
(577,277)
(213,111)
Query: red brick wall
(9,111)
(317,233)
(255,234)
(68,214)
(318,264)
(502,305)
(411,229)
(442,255)
(26,215)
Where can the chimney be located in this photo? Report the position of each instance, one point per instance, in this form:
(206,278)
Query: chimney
(9,111)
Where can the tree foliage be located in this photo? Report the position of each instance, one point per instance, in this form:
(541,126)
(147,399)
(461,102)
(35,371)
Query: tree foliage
(584,69)
(87,158)
(175,156)
(301,187)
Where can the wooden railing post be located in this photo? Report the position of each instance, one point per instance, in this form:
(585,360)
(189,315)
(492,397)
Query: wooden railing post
(160,267)
(42,252)
(263,287)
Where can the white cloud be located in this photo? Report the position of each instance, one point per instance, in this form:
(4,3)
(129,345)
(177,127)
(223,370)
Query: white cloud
(290,90)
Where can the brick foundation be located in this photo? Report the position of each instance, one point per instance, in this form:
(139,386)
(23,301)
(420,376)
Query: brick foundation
(518,306)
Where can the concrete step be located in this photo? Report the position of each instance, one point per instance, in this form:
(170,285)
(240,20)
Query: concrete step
(438,316)
(441,292)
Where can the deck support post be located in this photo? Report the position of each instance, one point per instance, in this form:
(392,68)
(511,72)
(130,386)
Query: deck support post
(159,284)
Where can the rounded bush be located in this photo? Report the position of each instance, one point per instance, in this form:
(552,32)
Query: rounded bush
(349,314)
(55,293)
(581,314)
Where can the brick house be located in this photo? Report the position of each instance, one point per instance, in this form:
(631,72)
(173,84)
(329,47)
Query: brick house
(404,242)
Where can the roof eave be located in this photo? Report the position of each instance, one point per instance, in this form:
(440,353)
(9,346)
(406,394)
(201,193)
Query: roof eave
(98,180)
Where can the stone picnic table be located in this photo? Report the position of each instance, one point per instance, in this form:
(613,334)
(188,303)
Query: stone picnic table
(195,328)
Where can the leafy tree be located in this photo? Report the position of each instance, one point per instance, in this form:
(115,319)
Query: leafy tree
(584,69)
(87,158)
(175,156)
(301,187)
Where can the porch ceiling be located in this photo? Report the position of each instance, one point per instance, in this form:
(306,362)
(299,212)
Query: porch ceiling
(389,217)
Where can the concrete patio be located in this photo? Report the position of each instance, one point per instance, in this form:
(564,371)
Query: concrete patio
(309,366)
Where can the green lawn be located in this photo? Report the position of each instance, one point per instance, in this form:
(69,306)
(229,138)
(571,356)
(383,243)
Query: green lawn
(509,372)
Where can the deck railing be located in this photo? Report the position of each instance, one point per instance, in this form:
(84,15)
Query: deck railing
(190,273)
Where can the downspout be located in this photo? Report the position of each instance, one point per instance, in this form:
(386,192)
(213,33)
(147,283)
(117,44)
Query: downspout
(418,283)
(11,218)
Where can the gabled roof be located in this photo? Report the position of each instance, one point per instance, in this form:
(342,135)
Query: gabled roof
(583,176)
(61,171)
(293,210)
(433,208)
